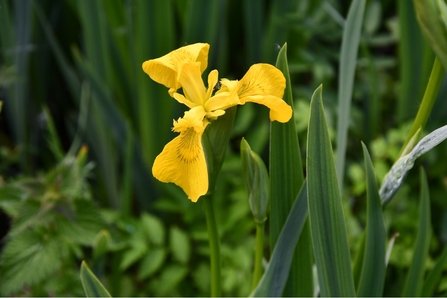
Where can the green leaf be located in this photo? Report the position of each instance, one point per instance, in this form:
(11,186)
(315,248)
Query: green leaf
(411,56)
(413,285)
(153,261)
(373,272)
(348,62)
(101,243)
(215,143)
(92,286)
(257,182)
(286,179)
(394,179)
(169,279)
(29,258)
(430,95)
(275,277)
(327,222)
(434,277)
(154,228)
(431,16)
(136,252)
(179,244)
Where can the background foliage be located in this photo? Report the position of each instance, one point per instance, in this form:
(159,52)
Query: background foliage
(70,75)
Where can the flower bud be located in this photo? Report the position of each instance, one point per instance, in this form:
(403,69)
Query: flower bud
(256,182)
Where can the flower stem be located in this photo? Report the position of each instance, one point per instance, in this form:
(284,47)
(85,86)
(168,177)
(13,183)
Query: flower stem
(430,95)
(213,235)
(259,252)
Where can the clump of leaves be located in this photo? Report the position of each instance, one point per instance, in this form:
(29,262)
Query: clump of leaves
(52,217)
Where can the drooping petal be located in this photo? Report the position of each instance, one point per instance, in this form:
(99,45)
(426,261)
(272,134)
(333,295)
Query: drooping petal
(190,78)
(182,160)
(164,70)
(264,84)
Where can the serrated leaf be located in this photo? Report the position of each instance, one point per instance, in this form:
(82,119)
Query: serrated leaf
(326,217)
(83,225)
(92,286)
(29,258)
(179,244)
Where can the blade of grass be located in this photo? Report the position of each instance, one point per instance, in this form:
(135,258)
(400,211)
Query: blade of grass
(275,277)
(277,29)
(432,280)
(348,61)
(141,178)
(253,12)
(213,14)
(95,40)
(373,270)
(286,178)
(411,49)
(326,217)
(15,41)
(154,37)
(413,284)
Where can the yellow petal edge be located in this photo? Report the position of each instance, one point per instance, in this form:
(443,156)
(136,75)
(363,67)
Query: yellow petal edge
(182,160)
(164,70)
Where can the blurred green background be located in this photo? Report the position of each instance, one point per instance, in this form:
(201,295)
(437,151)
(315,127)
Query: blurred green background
(70,75)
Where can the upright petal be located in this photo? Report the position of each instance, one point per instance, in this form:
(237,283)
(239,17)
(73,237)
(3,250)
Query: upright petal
(190,78)
(182,160)
(164,70)
(264,84)
(225,98)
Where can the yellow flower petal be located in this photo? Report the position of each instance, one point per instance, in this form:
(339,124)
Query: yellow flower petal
(182,160)
(164,70)
(190,78)
(225,98)
(264,84)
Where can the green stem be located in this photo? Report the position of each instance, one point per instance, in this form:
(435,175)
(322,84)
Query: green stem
(213,235)
(431,92)
(259,253)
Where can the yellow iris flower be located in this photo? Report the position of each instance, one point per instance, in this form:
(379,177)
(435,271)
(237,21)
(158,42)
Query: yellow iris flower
(182,160)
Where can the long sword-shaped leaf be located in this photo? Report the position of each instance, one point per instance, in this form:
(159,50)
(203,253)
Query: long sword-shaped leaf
(275,277)
(434,277)
(395,177)
(411,56)
(286,178)
(327,221)
(92,286)
(348,61)
(413,285)
(373,272)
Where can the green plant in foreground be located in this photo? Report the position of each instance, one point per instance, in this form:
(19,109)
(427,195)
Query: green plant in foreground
(53,218)
(166,251)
